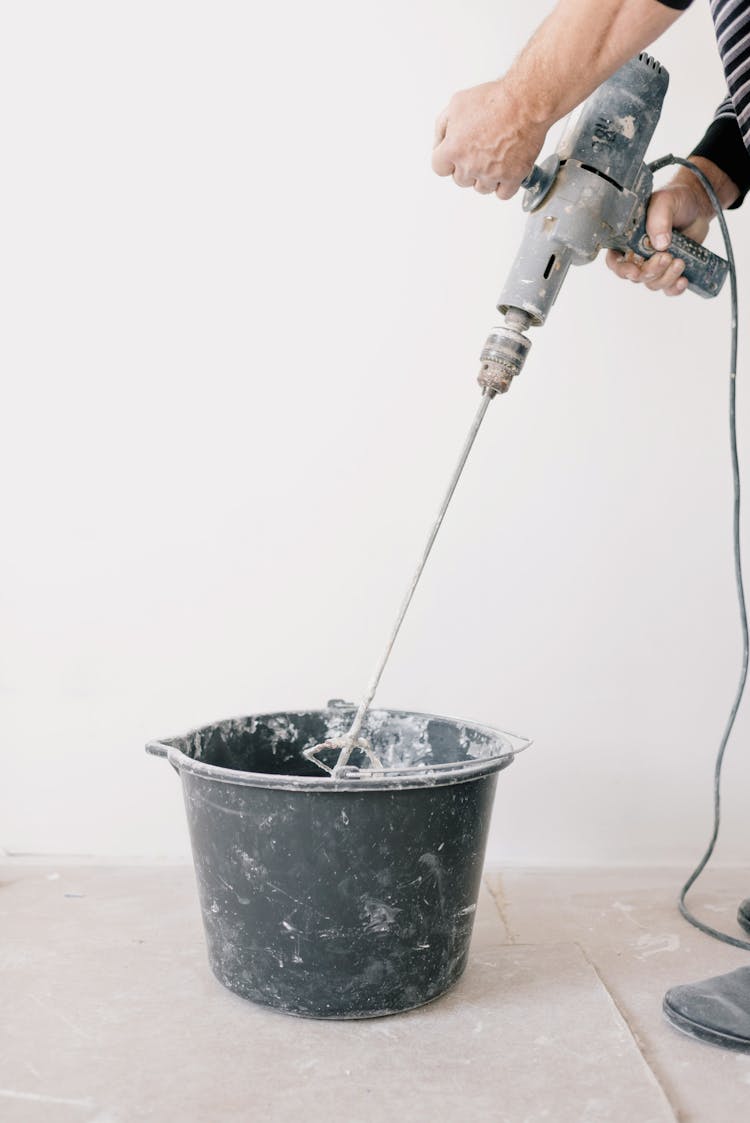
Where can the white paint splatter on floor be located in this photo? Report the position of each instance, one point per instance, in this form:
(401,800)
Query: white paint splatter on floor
(655,945)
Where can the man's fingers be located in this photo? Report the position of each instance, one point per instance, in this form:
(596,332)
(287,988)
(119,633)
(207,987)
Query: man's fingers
(616,262)
(442,161)
(462,179)
(660,273)
(674,281)
(507,189)
(440,128)
(660,219)
(678,288)
(656,269)
(485,186)
(664,274)
(626,266)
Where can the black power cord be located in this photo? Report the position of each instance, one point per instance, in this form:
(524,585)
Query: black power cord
(657,164)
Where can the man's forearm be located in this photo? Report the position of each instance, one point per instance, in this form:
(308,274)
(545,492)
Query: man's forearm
(489,136)
(578,46)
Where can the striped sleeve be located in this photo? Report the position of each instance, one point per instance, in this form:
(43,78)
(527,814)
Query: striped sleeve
(732,24)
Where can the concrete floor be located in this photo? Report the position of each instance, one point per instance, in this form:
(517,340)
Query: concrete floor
(111,1015)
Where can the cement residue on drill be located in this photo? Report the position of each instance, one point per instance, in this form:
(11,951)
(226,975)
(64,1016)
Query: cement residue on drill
(626,126)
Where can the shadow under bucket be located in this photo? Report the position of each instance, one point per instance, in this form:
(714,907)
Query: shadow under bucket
(351,897)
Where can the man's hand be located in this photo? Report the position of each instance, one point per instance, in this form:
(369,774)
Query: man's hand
(675,207)
(485,140)
(682,205)
(489,136)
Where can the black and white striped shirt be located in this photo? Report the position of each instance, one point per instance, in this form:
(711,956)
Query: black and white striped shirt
(727,139)
(732,23)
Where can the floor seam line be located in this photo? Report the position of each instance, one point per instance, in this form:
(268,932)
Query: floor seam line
(498,900)
(677,1114)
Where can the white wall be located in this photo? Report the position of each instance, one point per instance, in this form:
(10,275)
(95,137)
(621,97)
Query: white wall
(241,326)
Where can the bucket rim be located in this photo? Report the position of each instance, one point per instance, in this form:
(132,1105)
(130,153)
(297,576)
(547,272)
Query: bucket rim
(351,779)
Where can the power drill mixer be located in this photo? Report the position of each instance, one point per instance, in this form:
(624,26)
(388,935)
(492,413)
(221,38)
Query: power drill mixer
(592,194)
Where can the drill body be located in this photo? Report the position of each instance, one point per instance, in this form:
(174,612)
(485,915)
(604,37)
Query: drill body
(592,194)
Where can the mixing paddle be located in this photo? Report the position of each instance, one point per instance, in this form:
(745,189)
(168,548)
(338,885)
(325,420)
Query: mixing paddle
(354,739)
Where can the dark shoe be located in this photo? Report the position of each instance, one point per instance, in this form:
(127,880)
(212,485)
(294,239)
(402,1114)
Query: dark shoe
(743,915)
(716,1010)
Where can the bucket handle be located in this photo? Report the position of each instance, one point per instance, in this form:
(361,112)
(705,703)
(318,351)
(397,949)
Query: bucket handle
(156,748)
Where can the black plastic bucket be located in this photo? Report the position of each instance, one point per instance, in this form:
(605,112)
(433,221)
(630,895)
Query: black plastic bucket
(345,898)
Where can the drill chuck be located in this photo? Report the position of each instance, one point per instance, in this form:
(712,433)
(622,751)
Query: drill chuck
(502,358)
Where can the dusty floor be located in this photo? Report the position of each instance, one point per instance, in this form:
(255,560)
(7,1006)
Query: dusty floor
(110,1013)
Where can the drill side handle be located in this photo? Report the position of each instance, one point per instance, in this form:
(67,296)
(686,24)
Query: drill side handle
(533,180)
(705,271)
